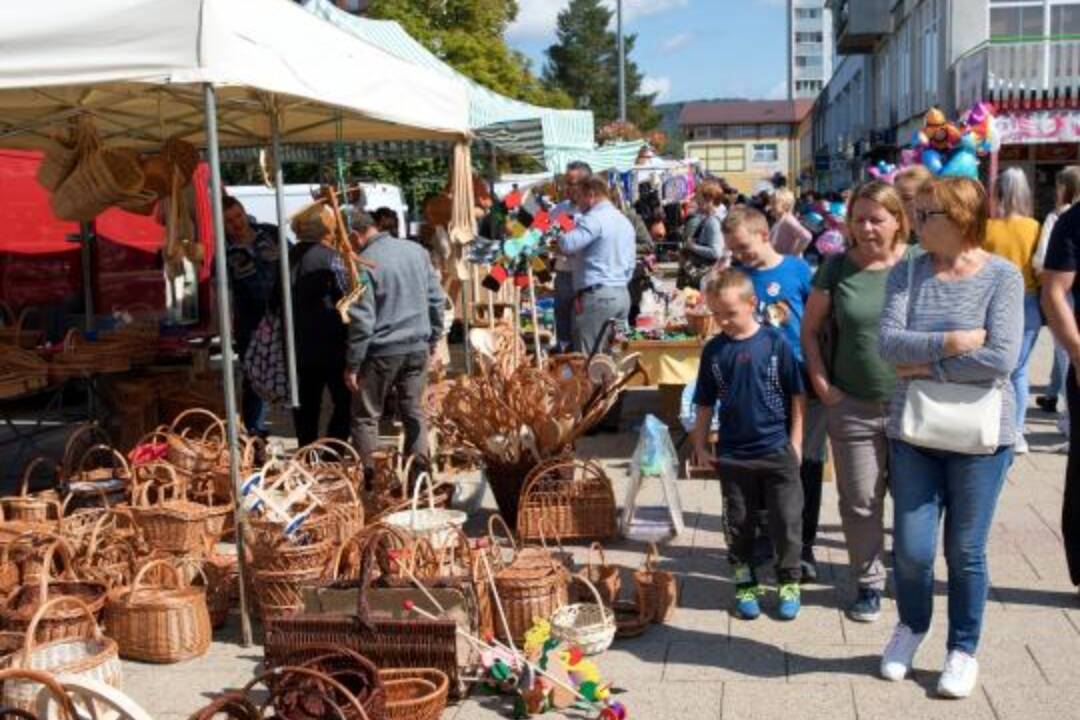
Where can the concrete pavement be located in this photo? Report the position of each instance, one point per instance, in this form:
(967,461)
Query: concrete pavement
(706,664)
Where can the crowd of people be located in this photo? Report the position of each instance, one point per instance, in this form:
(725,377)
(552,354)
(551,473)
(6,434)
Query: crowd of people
(906,350)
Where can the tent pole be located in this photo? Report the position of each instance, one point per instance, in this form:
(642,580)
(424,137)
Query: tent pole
(225,327)
(283,250)
(86,253)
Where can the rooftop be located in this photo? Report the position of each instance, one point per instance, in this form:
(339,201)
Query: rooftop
(742,112)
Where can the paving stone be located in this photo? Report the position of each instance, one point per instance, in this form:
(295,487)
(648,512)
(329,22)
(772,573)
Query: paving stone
(814,625)
(1032,703)
(746,701)
(908,699)
(721,661)
(813,663)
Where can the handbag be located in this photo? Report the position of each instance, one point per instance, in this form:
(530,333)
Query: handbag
(954,417)
(264,361)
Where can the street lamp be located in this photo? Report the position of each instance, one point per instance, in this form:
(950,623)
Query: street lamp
(622,62)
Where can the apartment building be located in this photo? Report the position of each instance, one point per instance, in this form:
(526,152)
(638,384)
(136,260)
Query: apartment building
(810,48)
(902,57)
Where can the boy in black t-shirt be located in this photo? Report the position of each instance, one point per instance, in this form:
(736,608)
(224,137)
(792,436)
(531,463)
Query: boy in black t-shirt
(753,374)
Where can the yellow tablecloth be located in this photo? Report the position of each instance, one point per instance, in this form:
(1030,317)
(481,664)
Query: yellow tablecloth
(672,362)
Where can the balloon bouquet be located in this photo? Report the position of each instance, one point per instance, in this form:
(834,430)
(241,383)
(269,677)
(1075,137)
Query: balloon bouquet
(827,220)
(953,150)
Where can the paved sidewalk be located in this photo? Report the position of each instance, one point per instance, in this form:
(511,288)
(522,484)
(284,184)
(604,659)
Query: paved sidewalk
(706,664)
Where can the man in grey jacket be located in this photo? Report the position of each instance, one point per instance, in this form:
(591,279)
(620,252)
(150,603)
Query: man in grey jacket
(393,329)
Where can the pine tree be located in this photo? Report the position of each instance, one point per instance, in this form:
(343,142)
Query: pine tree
(583,63)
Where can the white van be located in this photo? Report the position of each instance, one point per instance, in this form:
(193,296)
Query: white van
(260,201)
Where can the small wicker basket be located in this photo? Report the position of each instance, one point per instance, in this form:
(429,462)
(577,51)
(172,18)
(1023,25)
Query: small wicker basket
(589,626)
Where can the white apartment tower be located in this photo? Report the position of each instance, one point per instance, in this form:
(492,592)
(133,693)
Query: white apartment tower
(810,48)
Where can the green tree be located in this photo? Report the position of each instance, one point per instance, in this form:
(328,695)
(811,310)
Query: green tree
(584,64)
(468,35)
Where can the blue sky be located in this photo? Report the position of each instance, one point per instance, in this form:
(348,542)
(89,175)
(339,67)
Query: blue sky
(687,49)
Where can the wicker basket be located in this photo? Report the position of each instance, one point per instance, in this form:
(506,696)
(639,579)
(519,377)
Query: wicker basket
(605,578)
(13,330)
(280,592)
(165,623)
(190,450)
(415,693)
(41,682)
(173,523)
(436,525)
(574,496)
(358,674)
(39,507)
(296,691)
(109,557)
(90,655)
(589,626)
(655,591)
(629,622)
(525,592)
(22,605)
(80,358)
(102,478)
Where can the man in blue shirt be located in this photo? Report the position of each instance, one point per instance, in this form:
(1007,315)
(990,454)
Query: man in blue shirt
(601,250)
(577,172)
(782,284)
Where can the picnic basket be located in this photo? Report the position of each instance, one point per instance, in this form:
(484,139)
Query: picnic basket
(574,496)
(88,655)
(161,623)
(587,625)
(530,585)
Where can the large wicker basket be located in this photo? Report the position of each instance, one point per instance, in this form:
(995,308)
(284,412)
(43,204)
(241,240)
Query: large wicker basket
(91,655)
(171,523)
(530,584)
(165,623)
(574,496)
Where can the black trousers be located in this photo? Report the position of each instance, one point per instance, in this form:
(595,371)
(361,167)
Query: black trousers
(313,380)
(1070,511)
(407,376)
(772,480)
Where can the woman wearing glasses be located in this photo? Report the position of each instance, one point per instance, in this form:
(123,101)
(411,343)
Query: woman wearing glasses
(852,380)
(1014,235)
(952,327)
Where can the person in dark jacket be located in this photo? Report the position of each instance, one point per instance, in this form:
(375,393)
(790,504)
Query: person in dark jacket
(251,256)
(318,283)
(393,329)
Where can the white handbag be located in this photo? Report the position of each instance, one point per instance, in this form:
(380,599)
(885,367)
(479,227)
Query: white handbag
(955,417)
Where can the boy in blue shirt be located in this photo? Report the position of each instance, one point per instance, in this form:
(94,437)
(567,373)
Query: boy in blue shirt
(752,371)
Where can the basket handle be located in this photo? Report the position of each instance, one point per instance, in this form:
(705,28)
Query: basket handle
(545,520)
(650,558)
(600,550)
(498,519)
(193,412)
(67,464)
(421,479)
(136,583)
(49,682)
(311,673)
(108,450)
(604,612)
(67,499)
(24,481)
(99,525)
(46,565)
(39,615)
(403,474)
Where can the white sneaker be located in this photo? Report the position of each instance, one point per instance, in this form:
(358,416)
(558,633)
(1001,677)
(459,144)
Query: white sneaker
(1021,445)
(959,676)
(899,652)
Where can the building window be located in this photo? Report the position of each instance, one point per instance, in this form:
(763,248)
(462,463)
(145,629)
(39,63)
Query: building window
(766,153)
(721,158)
(808,13)
(809,37)
(1017,20)
(930,50)
(1065,20)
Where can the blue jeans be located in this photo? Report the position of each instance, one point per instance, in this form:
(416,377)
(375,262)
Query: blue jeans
(1020,381)
(927,484)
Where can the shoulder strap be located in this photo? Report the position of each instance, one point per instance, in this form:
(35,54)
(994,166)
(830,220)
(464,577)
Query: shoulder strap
(910,285)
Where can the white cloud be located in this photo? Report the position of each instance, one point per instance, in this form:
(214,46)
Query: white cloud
(536,18)
(675,42)
(659,85)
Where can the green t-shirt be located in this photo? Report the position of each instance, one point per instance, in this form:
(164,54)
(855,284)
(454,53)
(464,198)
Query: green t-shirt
(857,297)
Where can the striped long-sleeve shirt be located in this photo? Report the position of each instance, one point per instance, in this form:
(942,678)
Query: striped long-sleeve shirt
(993,299)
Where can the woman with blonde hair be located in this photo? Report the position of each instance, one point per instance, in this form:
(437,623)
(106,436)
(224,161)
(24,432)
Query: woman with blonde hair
(1014,235)
(787,235)
(952,327)
(852,380)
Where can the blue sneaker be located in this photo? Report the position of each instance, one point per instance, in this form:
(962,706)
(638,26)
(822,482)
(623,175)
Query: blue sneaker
(747,592)
(867,606)
(747,606)
(790,601)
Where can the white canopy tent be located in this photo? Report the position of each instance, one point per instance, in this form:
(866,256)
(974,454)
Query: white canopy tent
(214,72)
